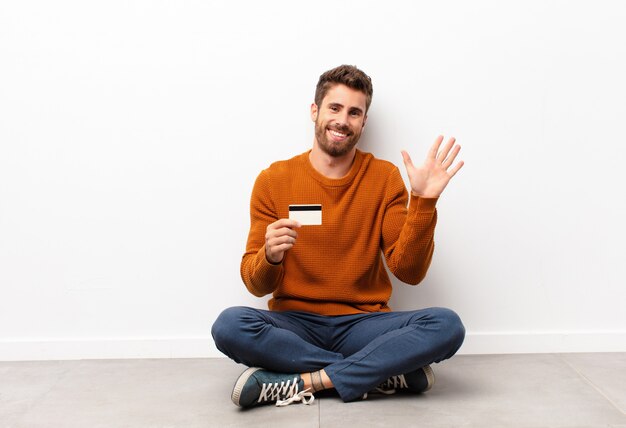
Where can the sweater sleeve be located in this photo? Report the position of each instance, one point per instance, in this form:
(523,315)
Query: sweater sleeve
(408,233)
(260,276)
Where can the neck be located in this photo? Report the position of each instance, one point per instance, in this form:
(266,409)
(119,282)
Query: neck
(330,166)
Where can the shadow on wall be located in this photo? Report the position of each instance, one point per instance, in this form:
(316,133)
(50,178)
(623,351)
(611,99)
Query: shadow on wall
(371,140)
(427,294)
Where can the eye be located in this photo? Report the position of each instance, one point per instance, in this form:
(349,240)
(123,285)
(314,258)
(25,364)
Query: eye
(334,108)
(355,113)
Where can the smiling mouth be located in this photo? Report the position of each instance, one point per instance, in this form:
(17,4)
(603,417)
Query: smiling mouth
(337,135)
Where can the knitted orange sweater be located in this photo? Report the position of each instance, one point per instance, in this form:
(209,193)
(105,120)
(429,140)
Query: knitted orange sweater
(337,268)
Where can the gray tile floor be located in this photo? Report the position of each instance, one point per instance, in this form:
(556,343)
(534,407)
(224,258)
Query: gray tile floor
(529,390)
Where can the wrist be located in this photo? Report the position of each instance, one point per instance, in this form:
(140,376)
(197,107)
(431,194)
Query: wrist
(424,195)
(422,204)
(272,262)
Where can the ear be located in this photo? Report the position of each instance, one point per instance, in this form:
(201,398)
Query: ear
(313,112)
(364,120)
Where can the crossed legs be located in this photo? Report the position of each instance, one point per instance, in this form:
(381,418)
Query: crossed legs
(352,353)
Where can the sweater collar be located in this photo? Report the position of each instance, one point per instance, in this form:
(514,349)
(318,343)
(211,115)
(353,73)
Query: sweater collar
(333,182)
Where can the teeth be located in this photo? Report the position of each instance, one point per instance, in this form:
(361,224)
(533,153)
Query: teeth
(338,134)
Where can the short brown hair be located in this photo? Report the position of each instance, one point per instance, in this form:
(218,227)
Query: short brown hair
(347,75)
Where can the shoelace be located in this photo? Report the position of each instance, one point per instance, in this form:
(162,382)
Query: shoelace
(393,383)
(305,396)
(285,393)
(390,386)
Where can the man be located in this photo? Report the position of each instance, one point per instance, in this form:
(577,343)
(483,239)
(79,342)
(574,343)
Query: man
(329,324)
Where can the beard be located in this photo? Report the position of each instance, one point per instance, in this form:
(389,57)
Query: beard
(334,148)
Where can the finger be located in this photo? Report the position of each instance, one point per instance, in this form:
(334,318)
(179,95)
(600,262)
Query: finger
(285,231)
(284,222)
(276,236)
(456,168)
(276,254)
(282,248)
(280,240)
(276,248)
(432,153)
(450,159)
(446,149)
(408,163)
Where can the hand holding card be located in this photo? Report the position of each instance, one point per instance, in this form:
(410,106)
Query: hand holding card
(280,237)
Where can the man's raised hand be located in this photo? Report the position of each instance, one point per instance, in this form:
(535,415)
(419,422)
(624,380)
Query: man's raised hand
(431,178)
(280,237)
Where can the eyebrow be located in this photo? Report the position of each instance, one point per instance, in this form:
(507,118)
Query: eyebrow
(341,105)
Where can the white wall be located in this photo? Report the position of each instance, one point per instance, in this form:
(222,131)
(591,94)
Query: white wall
(131,133)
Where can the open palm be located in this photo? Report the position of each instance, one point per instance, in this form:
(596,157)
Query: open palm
(431,178)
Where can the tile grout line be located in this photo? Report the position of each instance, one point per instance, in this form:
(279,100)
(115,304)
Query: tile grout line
(593,385)
(319,414)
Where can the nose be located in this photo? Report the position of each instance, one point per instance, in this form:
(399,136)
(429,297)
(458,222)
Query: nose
(342,120)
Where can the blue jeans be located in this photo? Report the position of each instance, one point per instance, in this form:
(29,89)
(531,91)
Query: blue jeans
(358,352)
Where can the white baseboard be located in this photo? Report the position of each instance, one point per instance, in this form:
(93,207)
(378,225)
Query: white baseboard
(543,342)
(203,347)
(107,348)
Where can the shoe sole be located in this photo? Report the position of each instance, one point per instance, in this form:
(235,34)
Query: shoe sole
(243,378)
(430,377)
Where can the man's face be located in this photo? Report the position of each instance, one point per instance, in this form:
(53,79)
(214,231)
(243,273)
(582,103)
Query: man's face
(339,120)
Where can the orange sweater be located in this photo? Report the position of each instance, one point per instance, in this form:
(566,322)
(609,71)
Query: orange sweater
(337,268)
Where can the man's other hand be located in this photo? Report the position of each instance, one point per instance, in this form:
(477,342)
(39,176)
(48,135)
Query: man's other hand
(431,178)
(280,237)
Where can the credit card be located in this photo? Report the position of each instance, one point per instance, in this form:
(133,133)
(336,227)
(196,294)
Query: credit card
(306,214)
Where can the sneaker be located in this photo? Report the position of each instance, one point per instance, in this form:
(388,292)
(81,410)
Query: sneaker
(256,386)
(420,380)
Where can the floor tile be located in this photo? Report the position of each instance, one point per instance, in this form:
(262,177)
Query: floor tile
(606,371)
(24,384)
(528,391)
(151,393)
